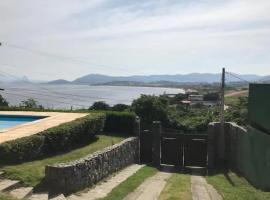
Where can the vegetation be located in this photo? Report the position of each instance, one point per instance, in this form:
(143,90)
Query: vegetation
(3,101)
(233,187)
(185,118)
(100,105)
(177,187)
(120,122)
(31,173)
(191,119)
(238,110)
(31,103)
(120,107)
(151,108)
(61,138)
(129,185)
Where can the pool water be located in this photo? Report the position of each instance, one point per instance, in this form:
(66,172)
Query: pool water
(8,121)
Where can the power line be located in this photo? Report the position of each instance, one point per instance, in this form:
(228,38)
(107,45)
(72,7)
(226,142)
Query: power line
(235,76)
(60,57)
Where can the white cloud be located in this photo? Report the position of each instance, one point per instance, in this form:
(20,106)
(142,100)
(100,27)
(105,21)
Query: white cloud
(143,37)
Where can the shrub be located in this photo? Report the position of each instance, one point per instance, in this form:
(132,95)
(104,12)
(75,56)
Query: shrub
(120,107)
(61,138)
(120,122)
(3,102)
(151,108)
(100,105)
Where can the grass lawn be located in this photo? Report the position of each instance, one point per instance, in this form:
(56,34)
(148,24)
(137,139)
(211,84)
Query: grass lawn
(177,187)
(5,197)
(129,185)
(234,187)
(31,173)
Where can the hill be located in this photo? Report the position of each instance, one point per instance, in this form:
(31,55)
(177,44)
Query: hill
(93,79)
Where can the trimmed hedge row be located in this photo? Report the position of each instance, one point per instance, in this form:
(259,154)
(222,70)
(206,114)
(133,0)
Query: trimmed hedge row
(120,122)
(53,140)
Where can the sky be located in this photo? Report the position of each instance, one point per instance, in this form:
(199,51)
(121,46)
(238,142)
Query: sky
(51,39)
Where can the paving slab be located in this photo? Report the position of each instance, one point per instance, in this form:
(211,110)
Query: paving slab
(6,183)
(201,190)
(39,196)
(58,197)
(105,187)
(21,192)
(151,188)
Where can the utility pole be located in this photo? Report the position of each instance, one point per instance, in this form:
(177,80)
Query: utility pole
(222,134)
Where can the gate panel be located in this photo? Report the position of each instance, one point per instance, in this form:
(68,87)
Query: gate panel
(195,151)
(171,151)
(146,140)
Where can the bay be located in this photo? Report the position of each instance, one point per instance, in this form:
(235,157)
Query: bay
(77,96)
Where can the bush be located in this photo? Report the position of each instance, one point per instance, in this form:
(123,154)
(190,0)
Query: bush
(151,108)
(120,107)
(61,138)
(120,122)
(3,102)
(100,105)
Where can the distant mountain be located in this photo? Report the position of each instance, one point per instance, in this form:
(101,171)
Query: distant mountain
(59,82)
(93,79)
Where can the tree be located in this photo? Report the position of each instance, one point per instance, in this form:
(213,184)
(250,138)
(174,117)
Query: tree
(151,108)
(100,105)
(31,103)
(120,107)
(3,102)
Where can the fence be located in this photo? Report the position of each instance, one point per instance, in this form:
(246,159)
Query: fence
(247,152)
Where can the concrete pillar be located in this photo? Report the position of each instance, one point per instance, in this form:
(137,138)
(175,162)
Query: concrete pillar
(211,146)
(156,131)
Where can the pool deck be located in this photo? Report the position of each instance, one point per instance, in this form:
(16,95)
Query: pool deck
(52,119)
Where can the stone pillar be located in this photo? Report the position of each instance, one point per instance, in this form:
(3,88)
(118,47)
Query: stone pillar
(137,133)
(156,131)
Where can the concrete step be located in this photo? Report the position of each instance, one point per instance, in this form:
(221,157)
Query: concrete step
(7,185)
(58,197)
(2,174)
(21,192)
(39,196)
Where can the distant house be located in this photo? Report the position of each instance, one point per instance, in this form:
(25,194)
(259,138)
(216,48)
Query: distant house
(198,99)
(194,98)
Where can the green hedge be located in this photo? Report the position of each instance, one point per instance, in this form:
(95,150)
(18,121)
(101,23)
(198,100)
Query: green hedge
(120,122)
(61,138)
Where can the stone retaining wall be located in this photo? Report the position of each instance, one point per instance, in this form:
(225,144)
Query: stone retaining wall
(80,174)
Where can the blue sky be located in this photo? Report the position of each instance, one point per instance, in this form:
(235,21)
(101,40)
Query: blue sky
(120,37)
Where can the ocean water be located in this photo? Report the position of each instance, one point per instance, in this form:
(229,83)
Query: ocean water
(77,96)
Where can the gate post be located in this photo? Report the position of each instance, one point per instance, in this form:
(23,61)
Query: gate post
(137,132)
(156,131)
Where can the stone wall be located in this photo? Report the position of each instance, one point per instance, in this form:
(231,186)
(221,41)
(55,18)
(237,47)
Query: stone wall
(80,174)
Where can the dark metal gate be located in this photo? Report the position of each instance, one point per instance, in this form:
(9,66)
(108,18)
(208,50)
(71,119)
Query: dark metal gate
(171,151)
(146,140)
(175,148)
(195,151)
(183,149)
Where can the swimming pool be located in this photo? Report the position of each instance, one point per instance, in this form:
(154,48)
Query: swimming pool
(8,121)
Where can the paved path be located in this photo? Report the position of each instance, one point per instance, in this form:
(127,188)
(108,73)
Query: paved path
(151,188)
(104,188)
(52,119)
(201,190)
